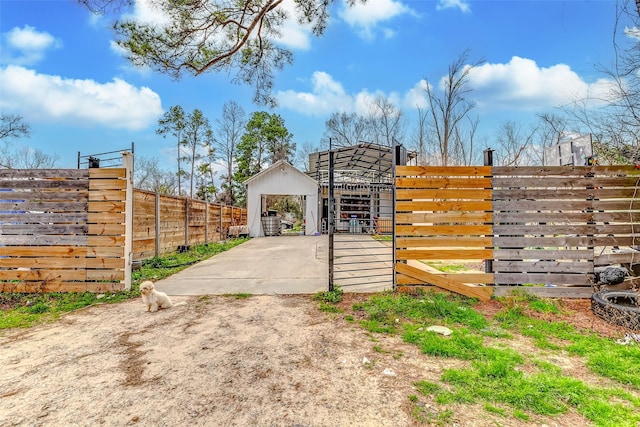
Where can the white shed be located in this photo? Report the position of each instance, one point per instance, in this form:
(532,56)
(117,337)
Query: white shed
(281,179)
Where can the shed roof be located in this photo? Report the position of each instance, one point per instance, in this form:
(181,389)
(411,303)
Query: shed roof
(365,156)
(277,166)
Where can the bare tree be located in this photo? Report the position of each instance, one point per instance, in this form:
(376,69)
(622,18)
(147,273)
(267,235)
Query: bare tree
(149,176)
(26,158)
(386,121)
(515,147)
(13,126)
(420,142)
(229,129)
(449,107)
(345,130)
(549,132)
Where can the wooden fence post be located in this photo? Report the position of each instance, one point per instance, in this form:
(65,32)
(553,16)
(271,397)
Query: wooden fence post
(157,249)
(186,222)
(127,163)
(206,223)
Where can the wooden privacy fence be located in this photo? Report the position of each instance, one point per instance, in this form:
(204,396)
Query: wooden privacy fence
(164,224)
(543,229)
(63,230)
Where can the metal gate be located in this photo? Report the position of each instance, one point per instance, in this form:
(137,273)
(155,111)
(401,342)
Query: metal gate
(358,205)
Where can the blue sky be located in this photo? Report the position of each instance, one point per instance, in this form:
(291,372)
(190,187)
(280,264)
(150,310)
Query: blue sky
(59,69)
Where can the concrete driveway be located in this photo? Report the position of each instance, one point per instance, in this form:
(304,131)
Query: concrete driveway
(263,265)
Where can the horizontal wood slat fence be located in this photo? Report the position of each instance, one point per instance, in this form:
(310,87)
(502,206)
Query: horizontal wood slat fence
(543,229)
(66,230)
(62,230)
(163,224)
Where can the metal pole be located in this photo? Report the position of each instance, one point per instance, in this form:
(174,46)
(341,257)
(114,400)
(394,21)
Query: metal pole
(331,218)
(394,154)
(488,161)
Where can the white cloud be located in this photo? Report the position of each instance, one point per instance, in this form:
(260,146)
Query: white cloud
(26,46)
(523,85)
(327,96)
(366,17)
(454,4)
(416,97)
(42,97)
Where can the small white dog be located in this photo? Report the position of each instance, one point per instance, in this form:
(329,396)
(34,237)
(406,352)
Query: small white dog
(153,299)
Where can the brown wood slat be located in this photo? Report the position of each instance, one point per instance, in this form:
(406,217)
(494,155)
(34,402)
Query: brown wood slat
(545,292)
(107,195)
(106,229)
(48,195)
(113,207)
(542,267)
(112,275)
(51,184)
(619,258)
(47,206)
(546,254)
(442,183)
(470,278)
(542,229)
(452,194)
(435,217)
(481,292)
(47,275)
(105,241)
(43,251)
(440,241)
(42,229)
(107,184)
(43,263)
(412,171)
(542,205)
(44,173)
(537,241)
(80,240)
(105,263)
(543,278)
(443,254)
(104,173)
(444,205)
(565,194)
(443,230)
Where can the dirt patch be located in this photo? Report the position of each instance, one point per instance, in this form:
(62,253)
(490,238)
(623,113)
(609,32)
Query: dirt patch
(261,361)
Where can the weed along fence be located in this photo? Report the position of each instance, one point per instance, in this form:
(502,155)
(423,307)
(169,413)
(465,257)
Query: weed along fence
(542,229)
(164,224)
(63,230)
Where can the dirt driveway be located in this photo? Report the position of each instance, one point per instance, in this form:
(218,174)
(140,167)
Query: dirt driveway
(210,361)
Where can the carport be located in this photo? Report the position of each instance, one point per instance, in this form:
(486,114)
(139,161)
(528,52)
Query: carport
(281,179)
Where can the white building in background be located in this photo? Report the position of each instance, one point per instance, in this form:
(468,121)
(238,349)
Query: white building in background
(280,179)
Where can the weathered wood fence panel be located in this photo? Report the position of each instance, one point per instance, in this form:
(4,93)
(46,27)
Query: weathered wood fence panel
(547,227)
(163,224)
(62,230)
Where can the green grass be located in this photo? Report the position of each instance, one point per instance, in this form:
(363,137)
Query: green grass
(506,383)
(25,310)
(448,268)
